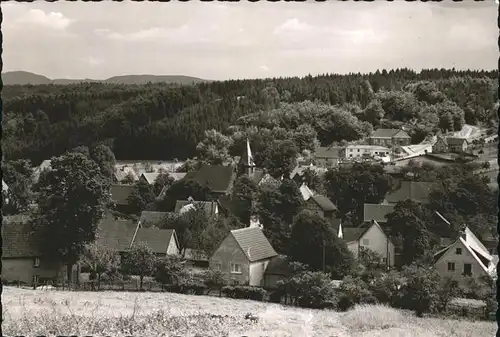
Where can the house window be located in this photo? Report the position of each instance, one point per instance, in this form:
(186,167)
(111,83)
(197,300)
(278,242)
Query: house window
(35,279)
(467,269)
(451,266)
(358,150)
(384,260)
(366,242)
(36,262)
(217,266)
(235,268)
(458,251)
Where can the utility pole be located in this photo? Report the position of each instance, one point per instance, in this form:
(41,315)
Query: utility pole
(323,255)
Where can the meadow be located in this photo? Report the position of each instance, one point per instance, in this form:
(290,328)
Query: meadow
(54,312)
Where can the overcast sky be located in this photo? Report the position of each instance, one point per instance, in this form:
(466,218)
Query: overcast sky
(245,40)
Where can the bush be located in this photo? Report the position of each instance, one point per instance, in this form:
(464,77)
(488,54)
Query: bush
(275,296)
(355,291)
(310,290)
(214,280)
(245,292)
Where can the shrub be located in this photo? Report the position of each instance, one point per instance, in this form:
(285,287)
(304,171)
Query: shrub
(310,290)
(245,292)
(387,288)
(355,291)
(214,280)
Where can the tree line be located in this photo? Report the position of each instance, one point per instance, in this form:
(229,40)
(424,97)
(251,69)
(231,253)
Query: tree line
(160,121)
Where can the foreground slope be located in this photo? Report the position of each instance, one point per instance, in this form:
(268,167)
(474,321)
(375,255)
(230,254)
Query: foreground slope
(29,312)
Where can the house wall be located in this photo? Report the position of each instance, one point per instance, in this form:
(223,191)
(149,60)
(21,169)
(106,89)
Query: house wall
(257,270)
(440,147)
(380,141)
(172,248)
(354,248)
(377,242)
(312,206)
(459,260)
(358,152)
(230,252)
(326,162)
(21,269)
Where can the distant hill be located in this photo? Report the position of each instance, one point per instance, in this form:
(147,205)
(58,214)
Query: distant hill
(24,77)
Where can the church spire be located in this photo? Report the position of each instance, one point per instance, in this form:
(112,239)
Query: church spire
(249,161)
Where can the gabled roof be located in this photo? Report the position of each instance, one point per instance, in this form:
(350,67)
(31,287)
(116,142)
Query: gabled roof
(211,207)
(328,152)
(415,190)
(19,241)
(483,259)
(120,193)
(455,140)
(247,159)
(150,177)
(124,171)
(195,255)
(278,265)
(177,175)
(324,203)
(377,212)
(254,243)
(257,175)
(115,233)
(354,234)
(152,218)
(389,133)
(45,165)
(156,239)
(217,178)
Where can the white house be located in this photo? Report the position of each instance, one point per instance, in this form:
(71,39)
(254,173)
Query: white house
(365,151)
(466,256)
(370,236)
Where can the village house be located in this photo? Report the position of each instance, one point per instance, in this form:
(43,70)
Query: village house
(243,256)
(440,146)
(123,172)
(297,174)
(370,236)
(196,258)
(22,260)
(417,191)
(457,145)
(328,157)
(466,256)
(322,206)
(377,212)
(365,151)
(121,234)
(218,178)
(389,138)
(211,207)
(120,195)
(150,177)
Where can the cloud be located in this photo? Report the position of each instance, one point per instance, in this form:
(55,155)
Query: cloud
(264,67)
(93,61)
(53,20)
(292,26)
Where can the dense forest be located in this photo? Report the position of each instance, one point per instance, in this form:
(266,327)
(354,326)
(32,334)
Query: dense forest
(166,121)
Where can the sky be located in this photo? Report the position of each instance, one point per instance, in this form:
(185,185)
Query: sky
(220,41)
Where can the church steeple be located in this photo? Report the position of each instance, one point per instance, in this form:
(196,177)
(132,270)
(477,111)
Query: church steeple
(248,161)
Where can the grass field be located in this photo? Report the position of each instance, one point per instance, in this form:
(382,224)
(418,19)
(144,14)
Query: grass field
(49,313)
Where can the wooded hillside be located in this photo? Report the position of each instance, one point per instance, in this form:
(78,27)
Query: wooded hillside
(165,121)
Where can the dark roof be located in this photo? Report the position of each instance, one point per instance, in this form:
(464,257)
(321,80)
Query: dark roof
(328,152)
(217,178)
(455,140)
(151,218)
(354,233)
(195,255)
(19,240)
(278,265)
(208,206)
(323,202)
(254,243)
(156,239)
(116,233)
(120,193)
(388,133)
(415,190)
(377,212)
(225,203)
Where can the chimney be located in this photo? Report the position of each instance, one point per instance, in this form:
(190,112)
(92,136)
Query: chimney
(463,233)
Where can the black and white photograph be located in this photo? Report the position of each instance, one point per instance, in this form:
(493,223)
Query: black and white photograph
(252,168)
